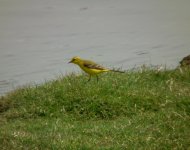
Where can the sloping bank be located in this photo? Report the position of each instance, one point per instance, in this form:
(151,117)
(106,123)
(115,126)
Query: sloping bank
(145,108)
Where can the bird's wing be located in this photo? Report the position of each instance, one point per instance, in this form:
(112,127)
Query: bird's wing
(92,65)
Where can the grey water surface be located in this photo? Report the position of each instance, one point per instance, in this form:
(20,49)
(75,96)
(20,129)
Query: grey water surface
(38,37)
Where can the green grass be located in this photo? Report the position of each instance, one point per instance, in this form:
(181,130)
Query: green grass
(140,109)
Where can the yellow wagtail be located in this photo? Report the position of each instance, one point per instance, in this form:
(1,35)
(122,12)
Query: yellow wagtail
(90,67)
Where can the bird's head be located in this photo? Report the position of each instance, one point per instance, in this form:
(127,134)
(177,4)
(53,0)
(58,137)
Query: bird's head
(75,60)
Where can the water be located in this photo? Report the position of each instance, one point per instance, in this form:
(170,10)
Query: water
(37,38)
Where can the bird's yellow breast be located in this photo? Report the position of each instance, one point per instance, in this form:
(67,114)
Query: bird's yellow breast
(92,71)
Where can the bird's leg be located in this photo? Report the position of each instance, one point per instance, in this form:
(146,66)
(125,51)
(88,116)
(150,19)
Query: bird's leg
(89,78)
(97,78)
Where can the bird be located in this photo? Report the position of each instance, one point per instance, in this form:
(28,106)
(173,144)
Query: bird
(90,67)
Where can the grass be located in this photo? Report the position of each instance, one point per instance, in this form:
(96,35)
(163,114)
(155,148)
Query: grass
(140,109)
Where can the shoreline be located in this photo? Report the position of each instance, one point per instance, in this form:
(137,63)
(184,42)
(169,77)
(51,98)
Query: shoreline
(143,106)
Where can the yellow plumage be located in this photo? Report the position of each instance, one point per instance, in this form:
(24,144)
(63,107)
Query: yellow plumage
(90,67)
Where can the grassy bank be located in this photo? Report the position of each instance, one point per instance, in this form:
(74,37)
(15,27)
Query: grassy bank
(145,109)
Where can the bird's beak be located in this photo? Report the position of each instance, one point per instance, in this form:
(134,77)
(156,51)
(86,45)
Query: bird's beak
(70,62)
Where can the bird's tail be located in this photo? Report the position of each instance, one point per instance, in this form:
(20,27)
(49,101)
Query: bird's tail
(114,70)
